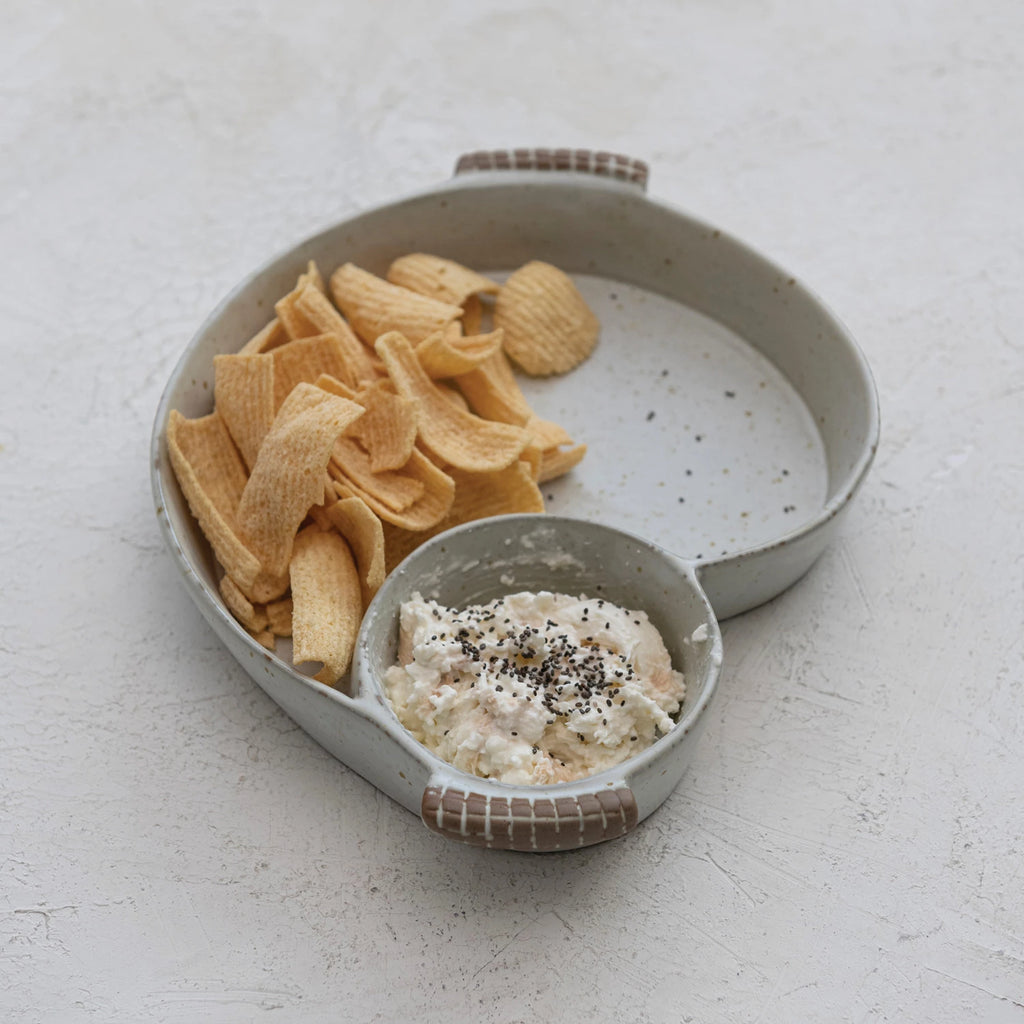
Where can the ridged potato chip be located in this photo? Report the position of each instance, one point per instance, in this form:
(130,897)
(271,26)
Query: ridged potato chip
(243,394)
(328,383)
(312,276)
(459,438)
(373,306)
(253,617)
(363,530)
(549,328)
(388,428)
(327,602)
(444,355)
(304,360)
(288,477)
(439,278)
(477,496)
(212,477)
(494,393)
(350,464)
(279,616)
(557,461)
(270,337)
(312,304)
(427,511)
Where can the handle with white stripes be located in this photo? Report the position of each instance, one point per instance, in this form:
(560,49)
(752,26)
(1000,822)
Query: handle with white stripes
(589,161)
(529,824)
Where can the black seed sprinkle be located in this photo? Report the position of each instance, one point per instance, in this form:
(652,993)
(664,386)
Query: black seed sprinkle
(650,416)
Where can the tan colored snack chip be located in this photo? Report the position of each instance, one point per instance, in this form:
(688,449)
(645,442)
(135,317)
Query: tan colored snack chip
(243,393)
(388,429)
(327,603)
(314,305)
(425,512)
(472,316)
(265,638)
(439,278)
(270,337)
(545,434)
(534,458)
(477,496)
(556,461)
(494,393)
(350,464)
(549,328)
(444,355)
(362,528)
(253,617)
(312,276)
(212,477)
(288,477)
(453,395)
(304,360)
(335,387)
(459,438)
(373,306)
(279,616)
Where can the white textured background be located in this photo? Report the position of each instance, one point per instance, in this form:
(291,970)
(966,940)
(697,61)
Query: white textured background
(850,844)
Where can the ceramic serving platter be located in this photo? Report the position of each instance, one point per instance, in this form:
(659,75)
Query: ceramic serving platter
(729,417)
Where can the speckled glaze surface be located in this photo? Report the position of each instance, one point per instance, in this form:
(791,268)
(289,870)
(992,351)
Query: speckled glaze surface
(725,408)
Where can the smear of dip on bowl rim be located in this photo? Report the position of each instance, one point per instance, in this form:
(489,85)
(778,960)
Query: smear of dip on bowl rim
(532,687)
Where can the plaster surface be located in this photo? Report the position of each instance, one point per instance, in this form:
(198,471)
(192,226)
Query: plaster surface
(849,843)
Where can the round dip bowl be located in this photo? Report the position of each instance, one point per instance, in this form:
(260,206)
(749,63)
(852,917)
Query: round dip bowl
(491,558)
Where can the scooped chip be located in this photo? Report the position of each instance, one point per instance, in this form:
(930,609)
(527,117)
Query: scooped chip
(350,463)
(444,355)
(270,337)
(439,278)
(327,603)
(422,514)
(387,430)
(477,496)
(288,477)
(362,528)
(373,306)
(304,360)
(243,392)
(494,393)
(459,438)
(212,477)
(549,328)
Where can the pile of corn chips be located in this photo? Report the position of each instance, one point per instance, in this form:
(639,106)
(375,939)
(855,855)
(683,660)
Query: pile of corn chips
(347,432)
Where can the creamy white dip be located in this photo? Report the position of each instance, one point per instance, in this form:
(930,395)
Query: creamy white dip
(532,688)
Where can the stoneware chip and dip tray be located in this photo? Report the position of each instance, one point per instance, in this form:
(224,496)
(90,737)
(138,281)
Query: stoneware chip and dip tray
(729,417)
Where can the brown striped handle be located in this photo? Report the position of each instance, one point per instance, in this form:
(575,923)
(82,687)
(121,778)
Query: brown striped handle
(538,825)
(608,165)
